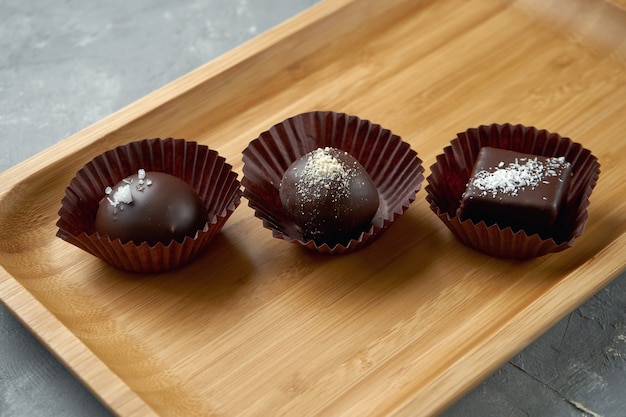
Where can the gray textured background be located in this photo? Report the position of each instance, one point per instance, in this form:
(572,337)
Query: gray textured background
(67,64)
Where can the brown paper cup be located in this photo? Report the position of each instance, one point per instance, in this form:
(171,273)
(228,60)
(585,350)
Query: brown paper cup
(393,165)
(452,170)
(208,173)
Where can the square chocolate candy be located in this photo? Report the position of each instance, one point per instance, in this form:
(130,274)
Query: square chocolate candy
(517,190)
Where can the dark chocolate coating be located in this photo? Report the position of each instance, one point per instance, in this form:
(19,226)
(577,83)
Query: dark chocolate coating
(532,208)
(163,208)
(329,205)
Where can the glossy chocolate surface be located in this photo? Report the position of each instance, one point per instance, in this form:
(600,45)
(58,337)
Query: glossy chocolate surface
(330,196)
(512,189)
(151,207)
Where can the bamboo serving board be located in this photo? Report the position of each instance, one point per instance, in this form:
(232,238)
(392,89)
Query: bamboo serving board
(260,327)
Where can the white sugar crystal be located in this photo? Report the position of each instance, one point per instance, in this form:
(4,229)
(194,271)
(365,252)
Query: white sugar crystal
(121,195)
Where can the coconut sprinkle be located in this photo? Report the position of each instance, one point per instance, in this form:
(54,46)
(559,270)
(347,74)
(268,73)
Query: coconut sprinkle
(523,173)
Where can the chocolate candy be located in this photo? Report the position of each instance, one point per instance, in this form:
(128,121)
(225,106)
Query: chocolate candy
(517,190)
(150,207)
(329,195)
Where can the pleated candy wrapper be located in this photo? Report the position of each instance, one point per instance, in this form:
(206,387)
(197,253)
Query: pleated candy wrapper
(207,172)
(391,163)
(452,170)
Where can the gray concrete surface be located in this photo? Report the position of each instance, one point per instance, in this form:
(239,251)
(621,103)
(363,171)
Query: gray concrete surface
(67,64)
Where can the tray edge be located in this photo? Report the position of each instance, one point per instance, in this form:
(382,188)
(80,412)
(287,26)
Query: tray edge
(511,342)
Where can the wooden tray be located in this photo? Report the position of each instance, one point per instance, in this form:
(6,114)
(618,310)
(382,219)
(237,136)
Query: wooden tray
(405,326)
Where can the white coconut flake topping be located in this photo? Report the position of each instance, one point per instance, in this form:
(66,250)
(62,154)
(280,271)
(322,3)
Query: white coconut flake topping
(523,173)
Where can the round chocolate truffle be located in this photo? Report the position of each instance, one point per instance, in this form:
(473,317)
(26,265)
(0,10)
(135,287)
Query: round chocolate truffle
(329,195)
(151,207)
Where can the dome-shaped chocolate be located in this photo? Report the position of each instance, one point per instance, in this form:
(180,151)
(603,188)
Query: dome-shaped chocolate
(150,207)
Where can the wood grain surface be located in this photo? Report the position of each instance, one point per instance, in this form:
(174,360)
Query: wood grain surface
(402,327)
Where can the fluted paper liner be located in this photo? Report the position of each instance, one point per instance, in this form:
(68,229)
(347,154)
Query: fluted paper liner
(392,164)
(207,172)
(452,170)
